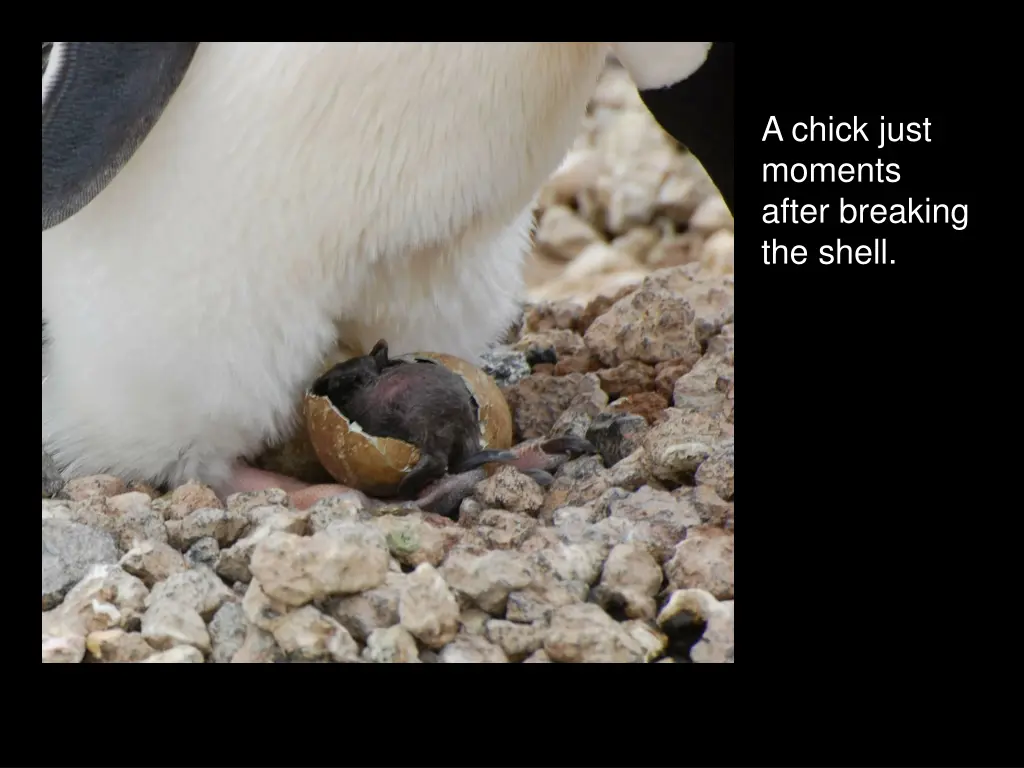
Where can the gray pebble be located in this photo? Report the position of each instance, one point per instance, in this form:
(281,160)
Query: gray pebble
(616,435)
(505,365)
(69,550)
(227,632)
(203,552)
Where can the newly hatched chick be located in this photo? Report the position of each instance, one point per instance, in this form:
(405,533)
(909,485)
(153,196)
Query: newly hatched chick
(422,403)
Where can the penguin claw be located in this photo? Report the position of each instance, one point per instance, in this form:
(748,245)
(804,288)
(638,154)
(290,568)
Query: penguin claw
(548,455)
(486,457)
(544,479)
(574,446)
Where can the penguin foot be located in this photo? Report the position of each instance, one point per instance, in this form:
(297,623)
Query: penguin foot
(444,496)
(301,494)
(486,457)
(542,457)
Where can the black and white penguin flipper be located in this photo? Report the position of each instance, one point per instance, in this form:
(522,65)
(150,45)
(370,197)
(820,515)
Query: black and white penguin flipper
(100,100)
(699,112)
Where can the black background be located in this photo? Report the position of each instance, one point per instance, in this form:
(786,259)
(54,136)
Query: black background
(874,518)
(873,442)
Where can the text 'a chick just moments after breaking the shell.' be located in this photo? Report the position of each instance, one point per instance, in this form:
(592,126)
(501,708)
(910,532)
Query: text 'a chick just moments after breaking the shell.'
(884,135)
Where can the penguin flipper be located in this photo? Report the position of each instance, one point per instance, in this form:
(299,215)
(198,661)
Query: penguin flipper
(699,112)
(100,100)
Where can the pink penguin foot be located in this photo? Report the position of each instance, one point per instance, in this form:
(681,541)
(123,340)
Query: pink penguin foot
(302,495)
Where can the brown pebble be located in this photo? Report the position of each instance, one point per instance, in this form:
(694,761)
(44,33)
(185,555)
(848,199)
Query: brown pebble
(668,372)
(550,316)
(585,362)
(646,404)
(629,378)
(598,307)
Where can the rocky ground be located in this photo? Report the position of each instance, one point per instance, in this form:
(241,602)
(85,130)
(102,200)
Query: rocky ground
(627,557)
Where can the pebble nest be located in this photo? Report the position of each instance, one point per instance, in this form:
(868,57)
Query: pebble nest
(626,340)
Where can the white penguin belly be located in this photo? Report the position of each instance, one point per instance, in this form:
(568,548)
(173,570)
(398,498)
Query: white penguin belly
(292,190)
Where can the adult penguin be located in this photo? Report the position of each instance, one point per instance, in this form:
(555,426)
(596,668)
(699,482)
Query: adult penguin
(217,216)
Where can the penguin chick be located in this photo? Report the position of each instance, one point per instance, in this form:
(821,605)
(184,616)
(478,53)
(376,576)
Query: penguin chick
(422,403)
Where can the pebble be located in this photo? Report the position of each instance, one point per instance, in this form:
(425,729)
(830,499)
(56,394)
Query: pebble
(563,235)
(511,490)
(221,524)
(630,579)
(704,560)
(647,637)
(576,419)
(233,563)
(260,609)
(473,621)
(517,641)
(716,645)
(472,649)
(372,609)
(298,569)
(391,645)
(717,470)
(487,580)
(258,647)
(117,646)
(106,597)
(689,609)
(655,518)
(413,541)
(585,633)
(153,561)
(180,654)
(501,529)
(68,649)
(539,399)
(540,599)
(616,435)
(186,499)
(647,405)
(93,486)
(427,608)
(306,634)
(538,657)
(133,519)
(649,325)
(167,624)
(227,631)
(198,588)
(507,366)
(348,507)
(69,551)
(203,553)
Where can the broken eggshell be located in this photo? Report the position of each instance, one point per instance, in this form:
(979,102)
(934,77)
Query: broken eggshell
(376,465)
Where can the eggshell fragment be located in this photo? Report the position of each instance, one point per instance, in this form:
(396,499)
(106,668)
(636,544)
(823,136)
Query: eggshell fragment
(376,465)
